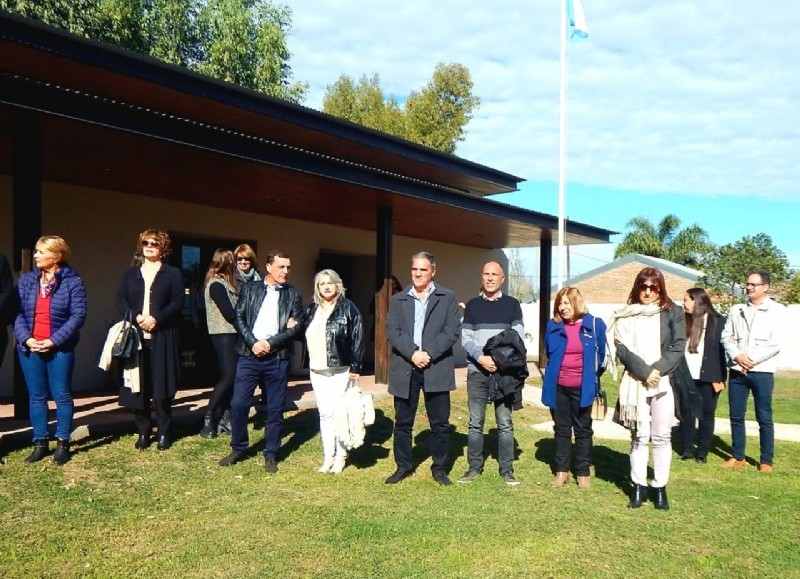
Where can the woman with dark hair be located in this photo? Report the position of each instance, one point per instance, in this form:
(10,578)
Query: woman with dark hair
(575,342)
(246,266)
(649,337)
(220,300)
(705,357)
(335,339)
(153,292)
(52,308)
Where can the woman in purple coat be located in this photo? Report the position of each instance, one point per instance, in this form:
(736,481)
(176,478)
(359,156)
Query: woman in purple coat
(52,308)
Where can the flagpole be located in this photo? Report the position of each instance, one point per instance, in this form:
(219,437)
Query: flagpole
(562,149)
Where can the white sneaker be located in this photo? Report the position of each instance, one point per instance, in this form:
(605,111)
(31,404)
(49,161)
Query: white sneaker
(326,465)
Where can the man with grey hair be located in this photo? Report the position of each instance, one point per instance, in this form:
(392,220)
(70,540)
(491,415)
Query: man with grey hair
(751,341)
(422,326)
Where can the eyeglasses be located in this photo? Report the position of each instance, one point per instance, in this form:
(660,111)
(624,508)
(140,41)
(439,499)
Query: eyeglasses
(151,243)
(649,286)
(247,259)
(754,284)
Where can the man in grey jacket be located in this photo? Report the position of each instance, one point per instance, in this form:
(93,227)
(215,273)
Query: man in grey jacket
(423,325)
(751,341)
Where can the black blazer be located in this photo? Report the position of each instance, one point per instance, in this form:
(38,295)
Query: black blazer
(713,368)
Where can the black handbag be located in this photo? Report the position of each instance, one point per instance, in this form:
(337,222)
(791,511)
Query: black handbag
(126,344)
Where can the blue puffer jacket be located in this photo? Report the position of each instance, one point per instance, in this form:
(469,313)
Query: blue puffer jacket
(67,308)
(555,340)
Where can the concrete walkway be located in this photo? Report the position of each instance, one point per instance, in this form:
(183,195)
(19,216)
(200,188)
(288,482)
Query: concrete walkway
(98,414)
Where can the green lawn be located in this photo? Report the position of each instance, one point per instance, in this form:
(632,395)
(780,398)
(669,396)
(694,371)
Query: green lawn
(116,512)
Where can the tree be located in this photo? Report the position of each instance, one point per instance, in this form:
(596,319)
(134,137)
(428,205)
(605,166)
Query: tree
(729,265)
(687,246)
(793,289)
(435,116)
(520,285)
(238,41)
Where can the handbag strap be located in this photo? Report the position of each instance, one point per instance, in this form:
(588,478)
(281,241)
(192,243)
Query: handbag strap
(596,355)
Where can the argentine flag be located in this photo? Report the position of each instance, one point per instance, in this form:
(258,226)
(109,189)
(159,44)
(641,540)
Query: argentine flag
(577,21)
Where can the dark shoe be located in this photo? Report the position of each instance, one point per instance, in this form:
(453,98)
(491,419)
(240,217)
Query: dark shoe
(510,479)
(687,456)
(638,496)
(209,429)
(40,449)
(397,476)
(469,476)
(61,455)
(164,443)
(660,500)
(232,458)
(143,442)
(224,426)
(270,464)
(442,478)
(701,459)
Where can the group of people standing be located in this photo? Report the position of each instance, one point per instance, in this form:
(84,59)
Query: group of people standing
(674,360)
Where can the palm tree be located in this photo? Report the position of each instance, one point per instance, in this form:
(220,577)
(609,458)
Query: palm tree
(687,246)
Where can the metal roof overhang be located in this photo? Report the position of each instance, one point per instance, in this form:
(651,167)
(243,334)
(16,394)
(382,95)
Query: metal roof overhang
(114,120)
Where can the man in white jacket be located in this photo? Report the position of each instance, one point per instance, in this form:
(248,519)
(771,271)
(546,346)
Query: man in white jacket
(751,341)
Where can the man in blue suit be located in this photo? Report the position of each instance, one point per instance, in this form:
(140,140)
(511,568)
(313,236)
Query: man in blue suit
(422,326)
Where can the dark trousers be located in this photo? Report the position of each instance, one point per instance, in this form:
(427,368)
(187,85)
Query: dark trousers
(568,416)
(437,406)
(225,348)
(761,385)
(142,416)
(705,428)
(273,376)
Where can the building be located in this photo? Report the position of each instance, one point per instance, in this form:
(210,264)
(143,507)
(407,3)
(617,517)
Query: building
(98,144)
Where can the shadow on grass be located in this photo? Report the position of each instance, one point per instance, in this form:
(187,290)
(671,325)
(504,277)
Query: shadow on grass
(373,449)
(422,450)
(609,465)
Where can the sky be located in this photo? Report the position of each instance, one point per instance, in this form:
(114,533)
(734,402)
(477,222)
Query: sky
(683,107)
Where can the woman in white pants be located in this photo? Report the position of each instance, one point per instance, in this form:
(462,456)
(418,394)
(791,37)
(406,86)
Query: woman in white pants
(649,336)
(335,339)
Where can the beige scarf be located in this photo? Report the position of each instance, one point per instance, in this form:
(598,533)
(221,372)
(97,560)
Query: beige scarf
(638,327)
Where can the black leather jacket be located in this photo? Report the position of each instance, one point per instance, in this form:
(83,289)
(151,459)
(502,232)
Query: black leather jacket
(344,335)
(290,305)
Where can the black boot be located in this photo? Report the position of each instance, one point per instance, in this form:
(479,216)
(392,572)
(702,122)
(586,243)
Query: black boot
(638,496)
(61,455)
(164,442)
(660,501)
(209,428)
(224,426)
(40,449)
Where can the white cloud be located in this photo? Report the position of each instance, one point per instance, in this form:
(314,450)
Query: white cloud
(679,96)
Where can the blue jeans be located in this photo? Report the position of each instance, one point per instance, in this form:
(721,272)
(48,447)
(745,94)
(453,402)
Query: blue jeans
(478,399)
(273,377)
(739,387)
(49,373)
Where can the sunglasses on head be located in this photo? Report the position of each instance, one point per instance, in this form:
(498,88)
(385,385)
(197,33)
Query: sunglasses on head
(151,243)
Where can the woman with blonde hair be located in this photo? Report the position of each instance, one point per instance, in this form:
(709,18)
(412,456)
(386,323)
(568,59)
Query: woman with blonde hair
(335,338)
(153,292)
(649,337)
(52,308)
(220,299)
(575,342)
